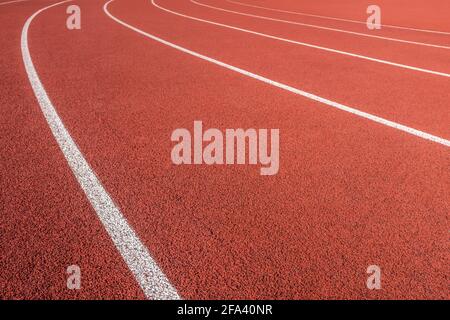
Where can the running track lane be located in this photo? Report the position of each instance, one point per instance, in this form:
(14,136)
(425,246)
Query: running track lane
(47,224)
(354,192)
(145,269)
(421,14)
(271,82)
(362,32)
(417,100)
(373,48)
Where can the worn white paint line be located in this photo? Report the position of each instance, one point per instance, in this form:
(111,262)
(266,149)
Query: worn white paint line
(299,92)
(322,27)
(339,19)
(9,2)
(354,55)
(144,268)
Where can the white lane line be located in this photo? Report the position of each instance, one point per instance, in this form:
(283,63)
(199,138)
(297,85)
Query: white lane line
(322,27)
(305,94)
(338,19)
(354,55)
(147,273)
(8,2)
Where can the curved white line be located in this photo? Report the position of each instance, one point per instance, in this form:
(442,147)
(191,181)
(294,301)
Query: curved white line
(354,55)
(299,92)
(147,273)
(322,27)
(9,2)
(339,19)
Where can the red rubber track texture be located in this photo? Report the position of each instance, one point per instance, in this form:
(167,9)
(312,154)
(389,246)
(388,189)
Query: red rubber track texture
(302,31)
(421,14)
(366,85)
(47,224)
(432,58)
(350,192)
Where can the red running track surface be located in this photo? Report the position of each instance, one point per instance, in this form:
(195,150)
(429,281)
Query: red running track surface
(350,192)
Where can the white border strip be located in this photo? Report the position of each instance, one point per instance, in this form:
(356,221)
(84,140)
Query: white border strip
(338,19)
(9,2)
(322,27)
(305,94)
(147,273)
(354,55)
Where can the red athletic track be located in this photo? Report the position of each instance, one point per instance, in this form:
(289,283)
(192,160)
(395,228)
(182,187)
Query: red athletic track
(349,193)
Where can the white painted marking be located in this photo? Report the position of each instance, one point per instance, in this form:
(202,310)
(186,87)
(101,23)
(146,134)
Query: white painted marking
(354,55)
(339,19)
(322,27)
(8,2)
(149,276)
(305,94)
